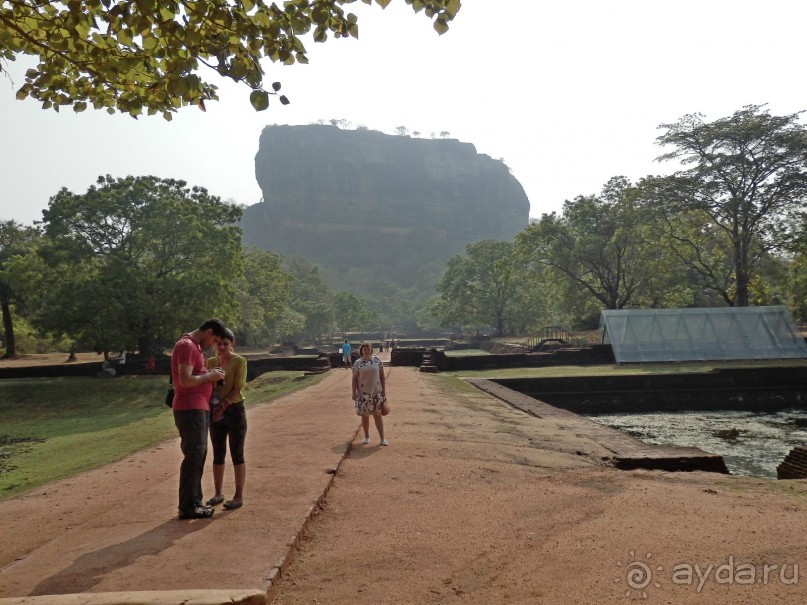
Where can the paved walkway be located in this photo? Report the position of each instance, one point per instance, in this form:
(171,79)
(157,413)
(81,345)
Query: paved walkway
(115,528)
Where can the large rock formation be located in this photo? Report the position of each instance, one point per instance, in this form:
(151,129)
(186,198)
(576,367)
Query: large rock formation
(381,205)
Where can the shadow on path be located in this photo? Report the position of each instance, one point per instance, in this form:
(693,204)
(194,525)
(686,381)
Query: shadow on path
(90,568)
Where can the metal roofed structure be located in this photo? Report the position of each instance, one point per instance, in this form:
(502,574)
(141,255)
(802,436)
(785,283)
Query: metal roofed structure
(725,333)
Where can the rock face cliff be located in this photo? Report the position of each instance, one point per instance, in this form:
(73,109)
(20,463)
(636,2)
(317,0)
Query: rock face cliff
(363,202)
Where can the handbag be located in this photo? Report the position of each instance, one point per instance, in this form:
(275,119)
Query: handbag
(385,408)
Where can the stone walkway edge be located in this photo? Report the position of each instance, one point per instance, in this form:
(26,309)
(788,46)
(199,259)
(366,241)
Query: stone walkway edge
(629,453)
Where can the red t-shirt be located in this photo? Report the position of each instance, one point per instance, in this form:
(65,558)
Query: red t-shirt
(186,352)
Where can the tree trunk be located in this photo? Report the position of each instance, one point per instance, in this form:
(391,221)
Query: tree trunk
(8,328)
(741,275)
(143,347)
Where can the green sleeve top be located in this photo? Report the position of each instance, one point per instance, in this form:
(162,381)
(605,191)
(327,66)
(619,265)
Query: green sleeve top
(235,376)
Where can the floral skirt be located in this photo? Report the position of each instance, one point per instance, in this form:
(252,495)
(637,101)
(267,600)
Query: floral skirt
(369,403)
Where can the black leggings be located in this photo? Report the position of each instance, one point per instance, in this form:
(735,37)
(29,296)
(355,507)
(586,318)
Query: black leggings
(233,425)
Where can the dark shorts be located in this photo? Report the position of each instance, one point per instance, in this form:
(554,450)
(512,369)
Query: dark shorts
(233,428)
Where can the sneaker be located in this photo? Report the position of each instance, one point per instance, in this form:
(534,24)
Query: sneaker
(198,512)
(384,442)
(366,440)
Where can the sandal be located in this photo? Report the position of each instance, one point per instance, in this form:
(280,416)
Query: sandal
(233,504)
(215,500)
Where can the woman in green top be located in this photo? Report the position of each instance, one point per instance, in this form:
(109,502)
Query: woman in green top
(229,421)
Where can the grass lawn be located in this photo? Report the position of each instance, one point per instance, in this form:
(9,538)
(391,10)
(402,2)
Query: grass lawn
(54,428)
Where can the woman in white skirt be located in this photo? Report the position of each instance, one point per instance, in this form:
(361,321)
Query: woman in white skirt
(369,390)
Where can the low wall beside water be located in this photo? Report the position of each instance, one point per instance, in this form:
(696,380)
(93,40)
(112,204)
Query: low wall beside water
(759,390)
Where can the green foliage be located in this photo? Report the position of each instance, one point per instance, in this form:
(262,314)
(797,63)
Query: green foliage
(700,247)
(30,340)
(134,262)
(16,243)
(745,193)
(147,55)
(264,292)
(311,298)
(600,251)
(797,287)
(351,313)
(486,288)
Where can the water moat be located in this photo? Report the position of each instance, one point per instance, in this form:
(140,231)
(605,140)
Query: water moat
(750,443)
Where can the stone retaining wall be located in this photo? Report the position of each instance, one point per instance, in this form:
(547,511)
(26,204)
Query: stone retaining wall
(794,466)
(760,389)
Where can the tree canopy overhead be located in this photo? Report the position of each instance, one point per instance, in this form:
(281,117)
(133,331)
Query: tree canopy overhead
(147,55)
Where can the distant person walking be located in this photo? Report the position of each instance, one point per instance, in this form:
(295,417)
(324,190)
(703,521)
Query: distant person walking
(346,354)
(369,391)
(229,421)
(193,385)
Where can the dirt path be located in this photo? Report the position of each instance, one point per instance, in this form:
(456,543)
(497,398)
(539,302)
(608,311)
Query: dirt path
(472,502)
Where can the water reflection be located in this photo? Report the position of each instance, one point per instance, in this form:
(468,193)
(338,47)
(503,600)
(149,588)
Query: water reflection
(751,444)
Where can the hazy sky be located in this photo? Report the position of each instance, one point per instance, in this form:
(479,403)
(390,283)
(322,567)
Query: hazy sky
(567,93)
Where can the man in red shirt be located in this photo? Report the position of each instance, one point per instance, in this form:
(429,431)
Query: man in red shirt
(193,385)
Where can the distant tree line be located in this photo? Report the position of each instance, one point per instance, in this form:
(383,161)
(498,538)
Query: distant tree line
(134,261)
(726,229)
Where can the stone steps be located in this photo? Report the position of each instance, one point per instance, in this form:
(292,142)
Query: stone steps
(794,466)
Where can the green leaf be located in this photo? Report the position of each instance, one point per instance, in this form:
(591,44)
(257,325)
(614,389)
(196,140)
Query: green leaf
(259,100)
(125,37)
(440,26)
(82,29)
(147,54)
(237,70)
(320,15)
